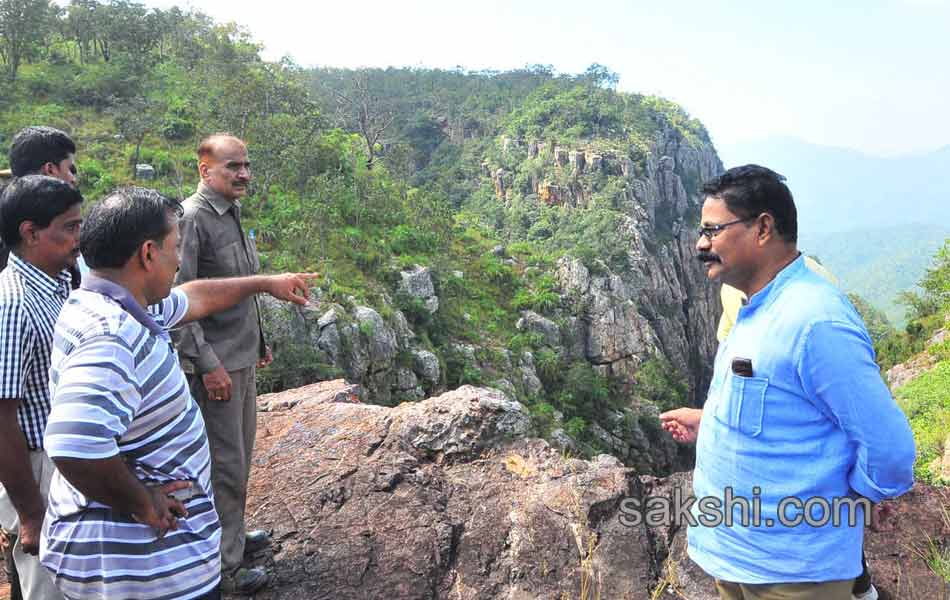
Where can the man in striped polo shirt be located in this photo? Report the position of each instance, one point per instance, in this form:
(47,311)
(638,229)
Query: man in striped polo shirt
(40,219)
(131,508)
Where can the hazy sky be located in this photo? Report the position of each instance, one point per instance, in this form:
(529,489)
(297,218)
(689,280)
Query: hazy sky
(872,75)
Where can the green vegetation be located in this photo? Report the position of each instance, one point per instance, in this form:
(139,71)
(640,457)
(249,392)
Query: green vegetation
(926,398)
(927,312)
(876,322)
(360,174)
(926,401)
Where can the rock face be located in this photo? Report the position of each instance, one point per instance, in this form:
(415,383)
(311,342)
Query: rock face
(442,498)
(381,355)
(446,498)
(417,284)
(652,300)
(661,303)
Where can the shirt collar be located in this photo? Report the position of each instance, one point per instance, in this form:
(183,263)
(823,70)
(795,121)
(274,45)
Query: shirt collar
(772,288)
(220,204)
(111,289)
(39,281)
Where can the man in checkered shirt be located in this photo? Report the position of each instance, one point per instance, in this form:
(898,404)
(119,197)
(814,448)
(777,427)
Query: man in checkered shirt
(39,221)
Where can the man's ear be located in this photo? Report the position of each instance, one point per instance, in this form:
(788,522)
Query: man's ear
(765,228)
(29,233)
(203,169)
(146,254)
(48,169)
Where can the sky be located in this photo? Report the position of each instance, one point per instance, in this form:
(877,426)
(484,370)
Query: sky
(868,75)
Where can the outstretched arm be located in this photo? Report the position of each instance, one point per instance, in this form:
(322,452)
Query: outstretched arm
(209,296)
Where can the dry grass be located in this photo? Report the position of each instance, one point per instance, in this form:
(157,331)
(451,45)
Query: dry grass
(935,552)
(669,584)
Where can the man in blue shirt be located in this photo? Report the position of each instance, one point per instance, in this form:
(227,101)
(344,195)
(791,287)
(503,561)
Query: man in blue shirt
(799,434)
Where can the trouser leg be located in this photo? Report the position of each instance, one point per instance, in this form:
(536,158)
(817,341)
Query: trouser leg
(825,590)
(36,583)
(863,582)
(7,539)
(231,427)
(728,590)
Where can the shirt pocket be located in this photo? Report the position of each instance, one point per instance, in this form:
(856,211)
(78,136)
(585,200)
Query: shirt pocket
(742,407)
(231,260)
(252,254)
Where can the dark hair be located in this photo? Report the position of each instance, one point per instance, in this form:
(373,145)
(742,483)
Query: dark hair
(35,198)
(117,227)
(35,146)
(751,190)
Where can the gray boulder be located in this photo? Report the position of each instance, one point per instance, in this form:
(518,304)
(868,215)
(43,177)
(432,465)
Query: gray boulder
(426,365)
(532,322)
(417,283)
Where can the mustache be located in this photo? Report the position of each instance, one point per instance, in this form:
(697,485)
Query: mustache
(707,257)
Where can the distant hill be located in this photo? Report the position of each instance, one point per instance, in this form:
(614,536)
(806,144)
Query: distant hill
(838,189)
(878,264)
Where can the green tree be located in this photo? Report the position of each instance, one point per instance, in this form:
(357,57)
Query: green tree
(135,119)
(361,107)
(25,26)
(875,321)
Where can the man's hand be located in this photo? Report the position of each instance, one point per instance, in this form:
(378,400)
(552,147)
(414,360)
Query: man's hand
(163,511)
(267,359)
(30,528)
(218,384)
(292,287)
(682,423)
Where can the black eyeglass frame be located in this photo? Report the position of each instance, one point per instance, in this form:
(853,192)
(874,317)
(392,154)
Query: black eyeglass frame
(711,231)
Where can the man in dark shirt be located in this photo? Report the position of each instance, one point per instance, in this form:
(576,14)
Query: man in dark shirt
(220,353)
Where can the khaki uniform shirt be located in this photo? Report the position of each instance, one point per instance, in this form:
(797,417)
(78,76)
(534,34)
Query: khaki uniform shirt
(213,244)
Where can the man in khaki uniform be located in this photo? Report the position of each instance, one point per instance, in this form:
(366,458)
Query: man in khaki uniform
(220,353)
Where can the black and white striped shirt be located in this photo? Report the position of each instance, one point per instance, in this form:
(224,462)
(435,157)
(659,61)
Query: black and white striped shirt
(30,302)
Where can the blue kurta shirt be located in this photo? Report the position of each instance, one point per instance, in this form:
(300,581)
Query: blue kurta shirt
(814,420)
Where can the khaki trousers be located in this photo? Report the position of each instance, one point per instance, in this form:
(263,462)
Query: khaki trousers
(36,582)
(826,590)
(231,427)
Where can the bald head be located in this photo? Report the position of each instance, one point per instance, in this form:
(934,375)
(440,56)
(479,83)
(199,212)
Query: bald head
(210,145)
(223,165)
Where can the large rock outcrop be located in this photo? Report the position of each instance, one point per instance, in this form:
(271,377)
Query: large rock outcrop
(447,499)
(443,498)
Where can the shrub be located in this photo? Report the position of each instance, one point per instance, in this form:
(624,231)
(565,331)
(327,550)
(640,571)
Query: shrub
(926,401)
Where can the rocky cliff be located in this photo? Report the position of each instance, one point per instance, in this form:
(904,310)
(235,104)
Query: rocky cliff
(658,300)
(447,498)
(650,300)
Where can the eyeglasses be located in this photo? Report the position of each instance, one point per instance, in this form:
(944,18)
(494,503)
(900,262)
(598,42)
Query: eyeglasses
(711,231)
